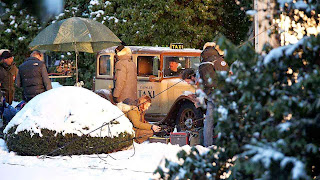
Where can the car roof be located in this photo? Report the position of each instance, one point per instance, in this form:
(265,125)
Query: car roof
(150,50)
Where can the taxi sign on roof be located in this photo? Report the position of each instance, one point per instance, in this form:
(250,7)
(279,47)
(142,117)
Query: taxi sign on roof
(176,45)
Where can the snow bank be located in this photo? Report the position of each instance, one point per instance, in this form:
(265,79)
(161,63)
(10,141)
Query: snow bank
(70,109)
(55,84)
(137,163)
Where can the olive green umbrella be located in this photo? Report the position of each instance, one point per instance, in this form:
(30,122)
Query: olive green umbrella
(75,34)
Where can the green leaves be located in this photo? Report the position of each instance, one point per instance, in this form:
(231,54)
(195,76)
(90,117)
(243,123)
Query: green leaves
(163,22)
(24,144)
(193,165)
(275,111)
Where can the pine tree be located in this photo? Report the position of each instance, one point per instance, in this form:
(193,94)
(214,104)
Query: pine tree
(268,113)
(18,29)
(146,22)
(160,23)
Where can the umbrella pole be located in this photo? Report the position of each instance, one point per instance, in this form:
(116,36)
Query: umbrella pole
(75,48)
(77,76)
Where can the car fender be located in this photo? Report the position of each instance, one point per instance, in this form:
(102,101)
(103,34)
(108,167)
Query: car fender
(171,116)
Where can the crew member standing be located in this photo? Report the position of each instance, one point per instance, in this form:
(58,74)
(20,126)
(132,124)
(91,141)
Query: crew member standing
(211,62)
(8,74)
(33,76)
(125,76)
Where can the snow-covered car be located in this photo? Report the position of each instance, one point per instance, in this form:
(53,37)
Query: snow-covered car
(174,101)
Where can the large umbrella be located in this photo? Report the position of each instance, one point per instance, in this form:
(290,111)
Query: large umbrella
(75,34)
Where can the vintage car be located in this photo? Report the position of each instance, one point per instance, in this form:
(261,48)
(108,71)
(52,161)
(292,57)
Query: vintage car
(174,101)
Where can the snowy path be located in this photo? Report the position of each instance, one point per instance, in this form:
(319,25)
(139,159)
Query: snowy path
(141,166)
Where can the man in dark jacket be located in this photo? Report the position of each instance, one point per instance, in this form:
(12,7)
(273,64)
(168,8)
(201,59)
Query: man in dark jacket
(211,63)
(33,76)
(8,74)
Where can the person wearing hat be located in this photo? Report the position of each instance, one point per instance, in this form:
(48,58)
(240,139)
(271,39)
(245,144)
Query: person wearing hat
(125,78)
(173,69)
(211,62)
(189,76)
(8,74)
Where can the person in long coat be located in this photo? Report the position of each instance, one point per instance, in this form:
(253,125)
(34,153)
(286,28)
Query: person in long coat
(143,129)
(125,76)
(8,74)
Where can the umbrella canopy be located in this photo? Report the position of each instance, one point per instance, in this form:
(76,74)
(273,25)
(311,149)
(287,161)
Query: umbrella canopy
(75,34)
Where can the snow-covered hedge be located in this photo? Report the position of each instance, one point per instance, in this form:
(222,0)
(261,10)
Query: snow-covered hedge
(267,115)
(68,114)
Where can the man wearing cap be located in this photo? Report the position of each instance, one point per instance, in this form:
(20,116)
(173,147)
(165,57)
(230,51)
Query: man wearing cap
(8,74)
(173,67)
(33,76)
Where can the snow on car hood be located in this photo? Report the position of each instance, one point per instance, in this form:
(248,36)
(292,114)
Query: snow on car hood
(70,109)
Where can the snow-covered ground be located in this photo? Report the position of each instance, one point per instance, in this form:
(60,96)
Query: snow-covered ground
(68,110)
(136,163)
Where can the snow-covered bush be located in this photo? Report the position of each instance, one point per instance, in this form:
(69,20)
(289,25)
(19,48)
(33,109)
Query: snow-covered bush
(68,115)
(281,113)
(196,165)
(271,116)
(17,29)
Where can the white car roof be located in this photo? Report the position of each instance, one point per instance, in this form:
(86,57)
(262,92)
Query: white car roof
(150,50)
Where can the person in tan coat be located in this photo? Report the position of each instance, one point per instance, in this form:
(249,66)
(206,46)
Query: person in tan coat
(125,76)
(142,128)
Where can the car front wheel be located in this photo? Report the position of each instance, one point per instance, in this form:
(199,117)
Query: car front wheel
(189,117)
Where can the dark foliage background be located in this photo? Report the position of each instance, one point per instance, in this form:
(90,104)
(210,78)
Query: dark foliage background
(145,22)
(266,114)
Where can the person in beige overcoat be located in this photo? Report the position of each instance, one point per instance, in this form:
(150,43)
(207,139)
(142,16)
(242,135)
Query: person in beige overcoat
(143,129)
(125,76)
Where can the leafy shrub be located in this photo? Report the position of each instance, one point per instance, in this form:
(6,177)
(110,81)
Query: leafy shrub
(267,113)
(33,145)
(194,165)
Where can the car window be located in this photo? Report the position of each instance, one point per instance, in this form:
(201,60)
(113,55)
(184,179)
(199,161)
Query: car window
(174,65)
(194,62)
(104,65)
(148,65)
